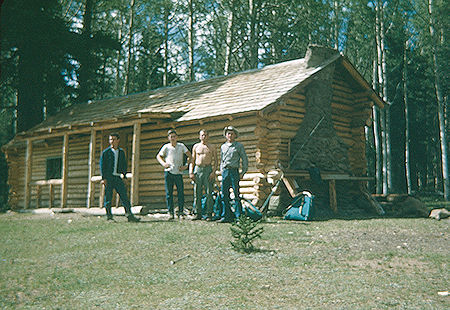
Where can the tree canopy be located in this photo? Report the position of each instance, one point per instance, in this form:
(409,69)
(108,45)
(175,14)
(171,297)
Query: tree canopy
(55,53)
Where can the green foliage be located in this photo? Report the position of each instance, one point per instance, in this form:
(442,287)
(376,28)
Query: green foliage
(244,232)
(56,53)
(6,134)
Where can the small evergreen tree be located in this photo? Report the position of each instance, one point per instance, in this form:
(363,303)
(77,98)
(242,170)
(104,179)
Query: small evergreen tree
(244,232)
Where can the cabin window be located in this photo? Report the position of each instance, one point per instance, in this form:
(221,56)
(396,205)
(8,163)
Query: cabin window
(54,168)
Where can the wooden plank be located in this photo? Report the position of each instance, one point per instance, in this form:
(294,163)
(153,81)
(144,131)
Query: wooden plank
(291,185)
(38,196)
(83,128)
(327,175)
(65,163)
(135,160)
(47,182)
(50,196)
(332,193)
(91,172)
(101,199)
(28,171)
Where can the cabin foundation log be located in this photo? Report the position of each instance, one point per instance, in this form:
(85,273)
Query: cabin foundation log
(332,193)
(65,163)
(28,171)
(135,156)
(91,188)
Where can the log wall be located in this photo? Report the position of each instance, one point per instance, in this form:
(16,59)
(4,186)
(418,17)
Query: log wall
(351,109)
(43,150)
(153,137)
(78,159)
(266,136)
(16,175)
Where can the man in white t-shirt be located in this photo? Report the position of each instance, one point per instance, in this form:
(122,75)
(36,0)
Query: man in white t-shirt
(171,158)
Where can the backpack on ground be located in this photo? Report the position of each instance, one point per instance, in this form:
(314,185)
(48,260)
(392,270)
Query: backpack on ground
(250,210)
(301,208)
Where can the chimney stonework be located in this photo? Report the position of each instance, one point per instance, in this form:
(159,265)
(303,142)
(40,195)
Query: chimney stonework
(322,149)
(317,54)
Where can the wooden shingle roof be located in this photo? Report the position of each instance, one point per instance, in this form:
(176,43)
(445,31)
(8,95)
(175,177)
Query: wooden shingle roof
(246,91)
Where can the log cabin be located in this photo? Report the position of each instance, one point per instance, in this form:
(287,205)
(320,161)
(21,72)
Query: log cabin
(303,113)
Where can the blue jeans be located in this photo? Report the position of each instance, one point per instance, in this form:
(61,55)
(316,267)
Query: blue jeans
(230,179)
(117,184)
(171,180)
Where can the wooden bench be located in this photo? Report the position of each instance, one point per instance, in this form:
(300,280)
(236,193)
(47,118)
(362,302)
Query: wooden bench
(293,188)
(51,184)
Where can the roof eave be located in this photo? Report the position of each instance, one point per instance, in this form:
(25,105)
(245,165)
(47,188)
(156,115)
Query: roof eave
(362,81)
(34,133)
(302,83)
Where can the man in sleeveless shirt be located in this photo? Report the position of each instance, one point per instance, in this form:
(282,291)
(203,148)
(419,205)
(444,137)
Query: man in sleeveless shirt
(202,171)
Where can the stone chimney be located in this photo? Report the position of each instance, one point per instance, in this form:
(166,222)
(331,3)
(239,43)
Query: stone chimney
(316,54)
(322,147)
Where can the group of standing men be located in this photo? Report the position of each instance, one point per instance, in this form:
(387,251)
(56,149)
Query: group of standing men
(202,164)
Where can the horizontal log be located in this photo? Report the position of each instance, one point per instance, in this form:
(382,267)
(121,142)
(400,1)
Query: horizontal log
(326,175)
(341,107)
(342,88)
(298,96)
(47,182)
(214,127)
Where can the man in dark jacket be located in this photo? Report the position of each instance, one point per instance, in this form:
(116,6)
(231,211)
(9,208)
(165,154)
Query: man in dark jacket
(113,167)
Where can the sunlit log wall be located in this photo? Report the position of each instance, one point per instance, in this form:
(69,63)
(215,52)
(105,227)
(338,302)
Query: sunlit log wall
(266,136)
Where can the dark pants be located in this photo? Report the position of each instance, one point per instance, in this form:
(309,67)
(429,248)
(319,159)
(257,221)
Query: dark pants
(171,180)
(230,179)
(117,184)
(202,180)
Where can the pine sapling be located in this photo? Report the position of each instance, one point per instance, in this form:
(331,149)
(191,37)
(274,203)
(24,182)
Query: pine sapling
(244,232)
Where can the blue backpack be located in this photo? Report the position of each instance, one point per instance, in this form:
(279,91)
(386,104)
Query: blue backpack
(250,210)
(301,208)
(247,208)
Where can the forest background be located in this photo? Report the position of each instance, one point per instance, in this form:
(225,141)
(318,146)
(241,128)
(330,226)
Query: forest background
(55,53)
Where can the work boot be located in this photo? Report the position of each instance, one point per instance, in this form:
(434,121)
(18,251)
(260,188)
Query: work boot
(132,218)
(109,218)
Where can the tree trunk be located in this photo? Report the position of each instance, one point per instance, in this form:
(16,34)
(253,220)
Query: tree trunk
(85,73)
(381,60)
(253,44)
(191,36)
(387,141)
(166,45)
(336,24)
(229,40)
(119,56)
(130,49)
(30,99)
(376,137)
(405,98)
(441,102)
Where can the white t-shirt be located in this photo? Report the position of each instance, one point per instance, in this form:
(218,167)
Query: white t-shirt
(173,156)
(116,161)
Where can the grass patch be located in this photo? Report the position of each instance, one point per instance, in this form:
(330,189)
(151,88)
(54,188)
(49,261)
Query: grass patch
(69,261)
